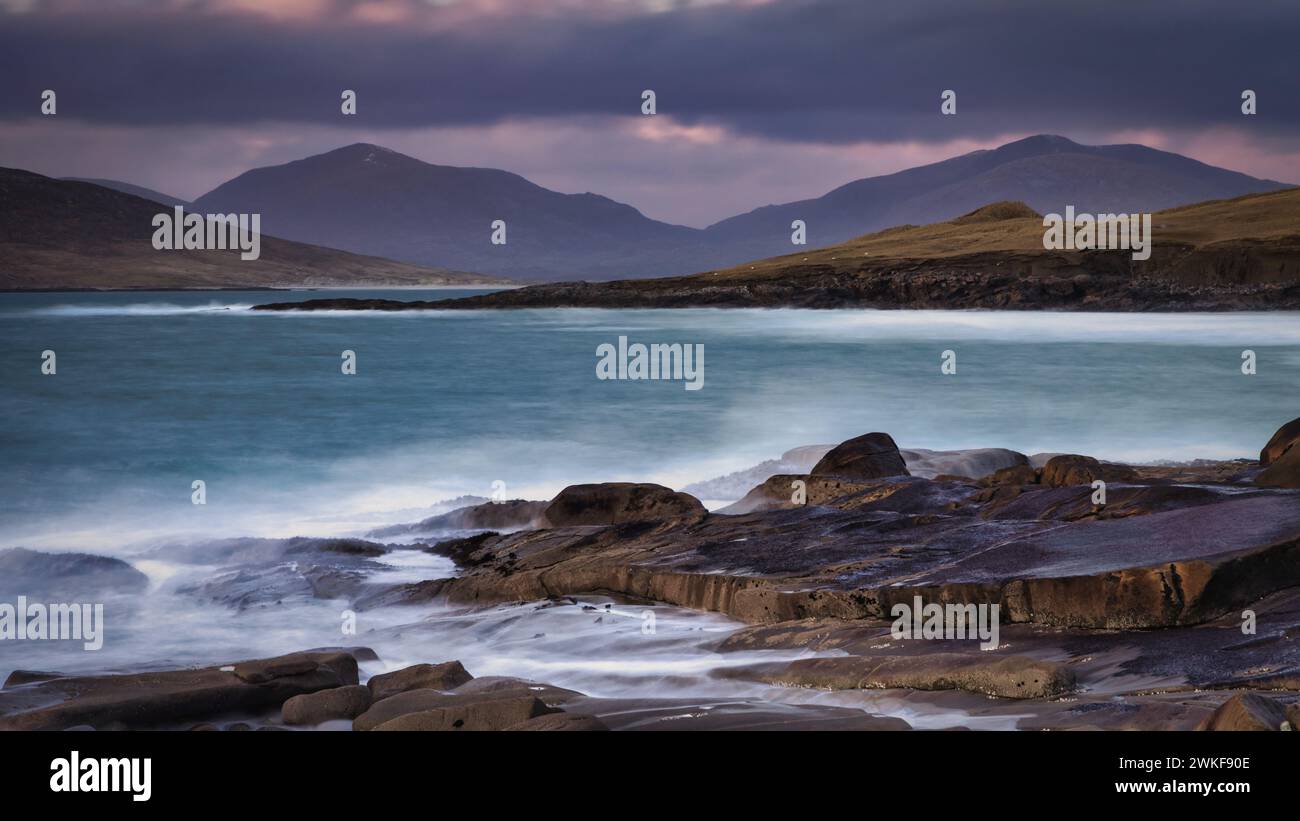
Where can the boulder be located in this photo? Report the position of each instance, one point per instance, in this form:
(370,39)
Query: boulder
(620,502)
(446,676)
(472,715)
(1072,469)
(1283,472)
(497,685)
(1286,436)
(1015,475)
(144,700)
(1247,711)
(561,722)
(327,705)
(872,456)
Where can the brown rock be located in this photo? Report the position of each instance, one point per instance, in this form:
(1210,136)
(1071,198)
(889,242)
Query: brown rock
(1072,469)
(498,685)
(160,698)
(872,456)
(1003,676)
(619,502)
(477,715)
(1286,436)
(1283,472)
(561,722)
(1247,711)
(1015,475)
(327,705)
(446,676)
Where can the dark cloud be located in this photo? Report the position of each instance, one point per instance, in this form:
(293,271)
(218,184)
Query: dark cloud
(817,71)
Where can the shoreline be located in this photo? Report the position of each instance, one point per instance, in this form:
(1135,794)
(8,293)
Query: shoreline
(1113,614)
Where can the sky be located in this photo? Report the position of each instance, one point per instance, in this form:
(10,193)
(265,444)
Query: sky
(758,101)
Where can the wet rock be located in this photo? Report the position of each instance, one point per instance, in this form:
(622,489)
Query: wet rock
(1015,475)
(65,576)
(1282,441)
(20,677)
(327,705)
(1072,469)
(1005,676)
(798,460)
(871,456)
(142,700)
(618,503)
(561,722)
(446,676)
(1283,472)
(470,714)
(516,514)
(497,685)
(974,463)
(1247,711)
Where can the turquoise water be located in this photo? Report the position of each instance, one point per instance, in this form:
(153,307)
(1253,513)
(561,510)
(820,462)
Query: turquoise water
(156,390)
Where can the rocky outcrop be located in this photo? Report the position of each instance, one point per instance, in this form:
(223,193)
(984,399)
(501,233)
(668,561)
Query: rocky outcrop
(1071,469)
(66,575)
(338,703)
(145,700)
(1155,554)
(560,722)
(1283,472)
(515,514)
(1004,676)
(1249,711)
(872,456)
(446,676)
(619,503)
(474,715)
(1282,441)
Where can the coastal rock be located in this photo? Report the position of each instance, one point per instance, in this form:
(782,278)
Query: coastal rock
(1248,711)
(618,503)
(1073,469)
(516,514)
(497,685)
(561,722)
(1284,472)
(1002,676)
(144,700)
(974,463)
(871,456)
(20,677)
(1282,441)
(470,715)
(446,676)
(327,705)
(1011,476)
(65,576)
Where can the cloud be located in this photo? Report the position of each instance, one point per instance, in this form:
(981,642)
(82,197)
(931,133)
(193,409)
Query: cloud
(806,70)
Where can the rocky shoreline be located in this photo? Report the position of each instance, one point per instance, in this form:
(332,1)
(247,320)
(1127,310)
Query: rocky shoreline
(1173,603)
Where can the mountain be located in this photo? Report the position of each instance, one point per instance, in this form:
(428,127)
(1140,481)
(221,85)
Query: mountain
(134,190)
(63,234)
(371,200)
(1236,254)
(1045,172)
